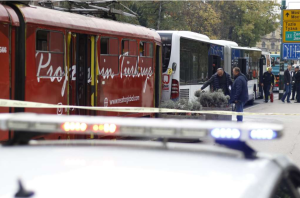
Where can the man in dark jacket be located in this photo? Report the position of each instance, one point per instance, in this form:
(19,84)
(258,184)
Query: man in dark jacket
(268,82)
(239,91)
(287,84)
(220,80)
(297,83)
(294,87)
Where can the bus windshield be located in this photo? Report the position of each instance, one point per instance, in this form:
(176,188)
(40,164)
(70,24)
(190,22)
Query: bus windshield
(166,50)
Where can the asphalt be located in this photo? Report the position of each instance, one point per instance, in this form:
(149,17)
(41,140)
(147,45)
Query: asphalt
(289,144)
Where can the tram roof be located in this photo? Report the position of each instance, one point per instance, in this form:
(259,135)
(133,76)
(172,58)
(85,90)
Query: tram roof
(4,17)
(188,34)
(49,17)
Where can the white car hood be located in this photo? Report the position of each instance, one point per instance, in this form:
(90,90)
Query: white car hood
(110,171)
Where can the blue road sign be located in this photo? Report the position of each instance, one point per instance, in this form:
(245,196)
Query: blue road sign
(291,51)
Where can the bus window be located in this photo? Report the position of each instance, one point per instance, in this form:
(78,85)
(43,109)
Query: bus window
(193,62)
(166,50)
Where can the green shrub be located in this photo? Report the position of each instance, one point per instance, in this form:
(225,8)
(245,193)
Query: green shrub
(213,99)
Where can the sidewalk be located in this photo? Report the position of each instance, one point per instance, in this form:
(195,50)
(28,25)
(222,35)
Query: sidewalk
(289,144)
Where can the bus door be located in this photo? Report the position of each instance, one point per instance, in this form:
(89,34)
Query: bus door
(242,64)
(214,62)
(81,70)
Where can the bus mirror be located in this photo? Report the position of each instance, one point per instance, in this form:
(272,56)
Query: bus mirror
(174,66)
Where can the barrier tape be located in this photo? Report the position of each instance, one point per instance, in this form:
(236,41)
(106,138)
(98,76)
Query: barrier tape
(25,104)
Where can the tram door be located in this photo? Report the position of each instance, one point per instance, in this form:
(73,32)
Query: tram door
(81,83)
(214,62)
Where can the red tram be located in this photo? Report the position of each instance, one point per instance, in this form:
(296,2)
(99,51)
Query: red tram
(61,58)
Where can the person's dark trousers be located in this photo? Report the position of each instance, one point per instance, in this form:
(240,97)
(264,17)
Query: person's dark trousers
(298,92)
(294,91)
(267,92)
(287,92)
(239,108)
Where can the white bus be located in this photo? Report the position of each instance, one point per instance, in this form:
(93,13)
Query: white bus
(190,59)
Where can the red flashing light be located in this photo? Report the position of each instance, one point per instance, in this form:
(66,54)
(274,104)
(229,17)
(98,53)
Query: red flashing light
(74,126)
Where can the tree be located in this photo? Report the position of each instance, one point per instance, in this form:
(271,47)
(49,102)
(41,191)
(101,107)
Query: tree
(246,21)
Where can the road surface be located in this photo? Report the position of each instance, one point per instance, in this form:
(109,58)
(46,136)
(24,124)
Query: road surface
(289,144)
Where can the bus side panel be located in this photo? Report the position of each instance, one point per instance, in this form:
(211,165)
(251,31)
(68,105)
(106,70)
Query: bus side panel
(4,74)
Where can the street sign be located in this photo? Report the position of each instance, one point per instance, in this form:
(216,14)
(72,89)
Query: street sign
(291,51)
(291,15)
(291,31)
(291,26)
(292,36)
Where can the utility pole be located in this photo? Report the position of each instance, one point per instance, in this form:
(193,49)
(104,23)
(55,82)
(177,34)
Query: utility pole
(281,70)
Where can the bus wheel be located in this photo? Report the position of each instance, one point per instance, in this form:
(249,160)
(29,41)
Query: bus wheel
(251,102)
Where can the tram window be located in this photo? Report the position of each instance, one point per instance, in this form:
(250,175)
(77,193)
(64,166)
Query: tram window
(129,48)
(50,45)
(104,45)
(109,56)
(109,46)
(56,42)
(42,40)
(49,41)
(146,49)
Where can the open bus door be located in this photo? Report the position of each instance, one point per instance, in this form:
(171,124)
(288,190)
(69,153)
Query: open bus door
(243,66)
(214,62)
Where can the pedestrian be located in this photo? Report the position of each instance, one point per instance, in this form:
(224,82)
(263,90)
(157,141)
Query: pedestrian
(239,92)
(220,80)
(287,84)
(294,87)
(268,82)
(297,82)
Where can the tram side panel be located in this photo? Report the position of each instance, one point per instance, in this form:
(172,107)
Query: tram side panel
(5,67)
(45,68)
(126,73)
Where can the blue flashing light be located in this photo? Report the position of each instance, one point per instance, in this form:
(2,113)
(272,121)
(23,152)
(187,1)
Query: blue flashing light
(225,133)
(263,134)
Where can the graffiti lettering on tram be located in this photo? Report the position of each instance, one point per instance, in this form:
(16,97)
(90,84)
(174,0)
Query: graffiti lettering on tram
(3,50)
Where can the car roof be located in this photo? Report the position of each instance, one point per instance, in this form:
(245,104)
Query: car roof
(134,169)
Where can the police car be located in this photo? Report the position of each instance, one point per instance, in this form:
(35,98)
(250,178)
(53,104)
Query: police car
(139,157)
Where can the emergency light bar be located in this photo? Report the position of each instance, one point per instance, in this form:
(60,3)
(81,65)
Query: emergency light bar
(139,127)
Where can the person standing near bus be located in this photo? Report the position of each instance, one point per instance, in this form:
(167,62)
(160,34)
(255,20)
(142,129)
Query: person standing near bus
(294,86)
(287,84)
(239,92)
(268,82)
(220,80)
(297,83)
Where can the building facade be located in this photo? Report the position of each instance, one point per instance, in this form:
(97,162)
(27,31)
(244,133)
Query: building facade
(270,42)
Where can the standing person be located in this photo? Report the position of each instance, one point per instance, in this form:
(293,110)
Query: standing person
(287,84)
(297,82)
(294,86)
(239,91)
(220,80)
(268,82)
